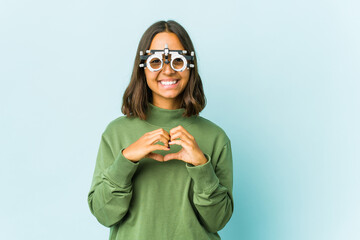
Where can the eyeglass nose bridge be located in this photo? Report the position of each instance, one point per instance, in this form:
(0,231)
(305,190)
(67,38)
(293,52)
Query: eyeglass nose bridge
(167,61)
(163,66)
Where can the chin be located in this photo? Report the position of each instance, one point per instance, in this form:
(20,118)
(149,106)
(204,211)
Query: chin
(170,97)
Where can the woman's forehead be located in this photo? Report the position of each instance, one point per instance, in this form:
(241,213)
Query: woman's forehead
(160,39)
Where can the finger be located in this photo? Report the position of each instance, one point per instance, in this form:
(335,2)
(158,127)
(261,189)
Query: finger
(165,135)
(179,142)
(160,131)
(182,136)
(165,141)
(174,130)
(162,138)
(155,156)
(158,147)
(151,136)
(156,131)
(180,129)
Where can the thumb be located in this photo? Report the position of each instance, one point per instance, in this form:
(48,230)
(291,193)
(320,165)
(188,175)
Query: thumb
(171,156)
(156,156)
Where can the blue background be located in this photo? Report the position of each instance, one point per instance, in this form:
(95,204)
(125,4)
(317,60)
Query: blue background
(280,77)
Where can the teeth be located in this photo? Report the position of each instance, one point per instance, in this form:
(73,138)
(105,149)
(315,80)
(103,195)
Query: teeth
(168,82)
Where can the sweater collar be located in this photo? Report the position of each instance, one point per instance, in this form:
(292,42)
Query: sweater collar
(167,118)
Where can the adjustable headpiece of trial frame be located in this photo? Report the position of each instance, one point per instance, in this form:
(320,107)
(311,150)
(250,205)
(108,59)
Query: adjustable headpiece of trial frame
(154,62)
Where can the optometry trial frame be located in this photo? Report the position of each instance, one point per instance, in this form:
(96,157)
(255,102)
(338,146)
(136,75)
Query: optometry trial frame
(179,61)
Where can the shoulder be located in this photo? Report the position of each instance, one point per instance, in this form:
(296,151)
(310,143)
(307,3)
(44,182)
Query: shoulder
(119,124)
(212,129)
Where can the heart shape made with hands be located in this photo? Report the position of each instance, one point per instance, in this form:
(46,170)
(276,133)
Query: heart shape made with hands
(189,150)
(164,155)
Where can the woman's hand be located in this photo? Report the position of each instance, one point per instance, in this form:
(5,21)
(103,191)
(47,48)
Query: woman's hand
(144,146)
(190,152)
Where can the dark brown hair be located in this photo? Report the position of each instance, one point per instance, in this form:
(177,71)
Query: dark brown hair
(138,94)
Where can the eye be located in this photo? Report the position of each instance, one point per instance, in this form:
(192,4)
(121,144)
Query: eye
(155,61)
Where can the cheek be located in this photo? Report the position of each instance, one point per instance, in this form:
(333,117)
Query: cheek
(186,76)
(150,76)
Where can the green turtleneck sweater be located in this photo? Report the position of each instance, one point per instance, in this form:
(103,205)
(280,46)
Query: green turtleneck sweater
(152,200)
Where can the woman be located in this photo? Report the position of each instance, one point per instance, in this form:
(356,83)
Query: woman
(162,171)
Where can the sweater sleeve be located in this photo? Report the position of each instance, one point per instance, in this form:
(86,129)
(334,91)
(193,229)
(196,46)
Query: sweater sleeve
(213,197)
(111,189)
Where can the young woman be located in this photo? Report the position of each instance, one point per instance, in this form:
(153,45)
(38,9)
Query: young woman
(162,171)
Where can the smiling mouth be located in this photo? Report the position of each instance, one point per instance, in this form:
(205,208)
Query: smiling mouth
(168,82)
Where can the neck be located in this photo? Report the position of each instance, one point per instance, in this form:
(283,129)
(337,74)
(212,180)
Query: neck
(170,105)
(167,117)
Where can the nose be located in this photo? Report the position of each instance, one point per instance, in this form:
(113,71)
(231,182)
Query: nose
(167,69)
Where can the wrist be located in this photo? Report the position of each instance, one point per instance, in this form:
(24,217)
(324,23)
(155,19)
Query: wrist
(124,154)
(202,161)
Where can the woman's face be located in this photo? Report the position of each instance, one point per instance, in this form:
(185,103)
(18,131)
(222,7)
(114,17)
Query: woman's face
(166,96)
